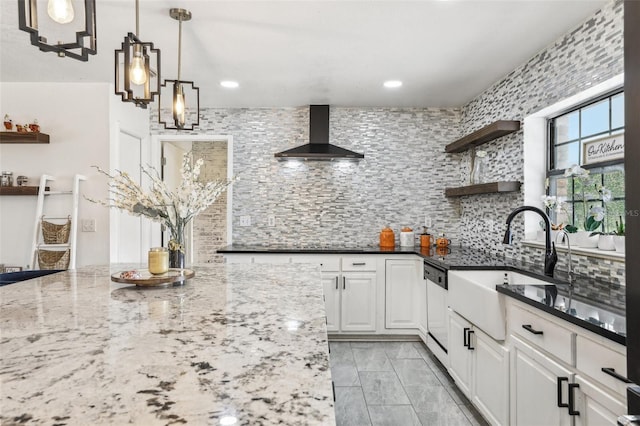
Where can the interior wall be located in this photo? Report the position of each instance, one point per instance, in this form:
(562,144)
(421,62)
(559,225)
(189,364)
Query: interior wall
(76,118)
(398,183)
(585,56)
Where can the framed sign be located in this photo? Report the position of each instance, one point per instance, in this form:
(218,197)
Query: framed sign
(603,149)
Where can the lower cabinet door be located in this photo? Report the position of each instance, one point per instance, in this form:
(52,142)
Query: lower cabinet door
(535,382)
(358,309)
(402,293)
(595,406)
(459,352)
(491,378)
(331,288)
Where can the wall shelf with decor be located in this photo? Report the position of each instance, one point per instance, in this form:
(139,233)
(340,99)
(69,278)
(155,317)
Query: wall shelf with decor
(481,136)
(20,190)
(483,188)
(23,137)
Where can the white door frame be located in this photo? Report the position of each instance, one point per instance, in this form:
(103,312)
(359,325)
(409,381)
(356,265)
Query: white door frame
(155,154)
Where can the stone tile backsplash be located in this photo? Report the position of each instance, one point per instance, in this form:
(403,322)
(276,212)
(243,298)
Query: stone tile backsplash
(405,170)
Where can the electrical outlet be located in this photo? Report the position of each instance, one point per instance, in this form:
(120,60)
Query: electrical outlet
(245,220)
(427,221)
(88,225)
(271,220)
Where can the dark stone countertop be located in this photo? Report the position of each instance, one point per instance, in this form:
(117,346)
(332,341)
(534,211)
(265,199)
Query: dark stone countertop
(596,305)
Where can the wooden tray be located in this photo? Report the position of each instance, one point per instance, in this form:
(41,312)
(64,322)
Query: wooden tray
(147,279)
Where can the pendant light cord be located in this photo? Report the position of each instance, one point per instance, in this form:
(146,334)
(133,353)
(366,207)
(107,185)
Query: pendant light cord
(137,18)
(179,46)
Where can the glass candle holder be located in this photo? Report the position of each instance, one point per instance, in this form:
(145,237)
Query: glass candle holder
(158,260)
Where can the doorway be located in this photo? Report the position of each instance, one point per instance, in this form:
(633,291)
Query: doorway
(211,229)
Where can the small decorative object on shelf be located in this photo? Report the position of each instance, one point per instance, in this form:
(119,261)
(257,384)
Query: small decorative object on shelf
(478,174)
(34,127)
(20,129)
(8,123)
(7,179)
(22,181)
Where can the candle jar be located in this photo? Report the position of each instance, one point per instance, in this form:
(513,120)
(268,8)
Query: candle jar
(158,260)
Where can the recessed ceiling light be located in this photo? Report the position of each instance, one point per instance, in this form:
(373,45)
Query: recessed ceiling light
(392,84)
(229,84)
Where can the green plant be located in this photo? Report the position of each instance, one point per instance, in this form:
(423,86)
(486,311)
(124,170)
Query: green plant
(619,227)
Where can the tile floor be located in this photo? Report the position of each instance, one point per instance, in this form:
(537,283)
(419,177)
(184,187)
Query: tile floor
(395,384)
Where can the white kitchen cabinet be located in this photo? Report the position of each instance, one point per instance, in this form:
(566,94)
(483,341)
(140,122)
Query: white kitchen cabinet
(330,286)
(539,388)
(404,303)
(480,367)
(596,407)
(358,304)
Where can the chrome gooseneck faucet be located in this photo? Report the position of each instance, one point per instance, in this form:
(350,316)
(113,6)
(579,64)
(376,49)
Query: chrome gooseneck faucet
(550,255)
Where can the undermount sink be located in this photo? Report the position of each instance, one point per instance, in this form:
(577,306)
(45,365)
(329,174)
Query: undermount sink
(473,295)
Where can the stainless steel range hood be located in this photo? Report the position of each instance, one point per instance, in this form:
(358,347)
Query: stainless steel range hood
(318,147)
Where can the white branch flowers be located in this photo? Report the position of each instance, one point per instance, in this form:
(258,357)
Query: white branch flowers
(174,209)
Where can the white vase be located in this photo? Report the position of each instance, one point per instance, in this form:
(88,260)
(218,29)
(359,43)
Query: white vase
(573,239)
(618,242)
(605,242)
(583,239)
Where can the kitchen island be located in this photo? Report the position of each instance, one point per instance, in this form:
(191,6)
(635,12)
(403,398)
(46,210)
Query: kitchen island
(237,344)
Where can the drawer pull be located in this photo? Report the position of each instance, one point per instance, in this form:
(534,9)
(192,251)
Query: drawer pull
(470,332)
(572,399)
(344,283)
(612,373)
(559,383)
(358,263)
(531,329)
(336,282)
(465,335)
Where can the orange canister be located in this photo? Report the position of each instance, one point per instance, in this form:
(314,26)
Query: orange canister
(387,238)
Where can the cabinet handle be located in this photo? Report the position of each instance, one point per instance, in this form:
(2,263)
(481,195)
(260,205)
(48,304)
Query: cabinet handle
(358,263)
(572,399)
(344,283)
(559,383)
(612,373)
(531,329)
(337,282)
(470,333)
(465,342)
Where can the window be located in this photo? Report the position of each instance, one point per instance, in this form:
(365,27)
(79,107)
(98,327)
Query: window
(568,132)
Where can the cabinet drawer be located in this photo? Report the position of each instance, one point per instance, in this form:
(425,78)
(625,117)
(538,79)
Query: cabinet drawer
(592,357)
(543,333)
(355,263)
(327,263)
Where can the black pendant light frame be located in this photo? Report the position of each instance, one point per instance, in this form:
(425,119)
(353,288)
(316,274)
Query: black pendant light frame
(178,85)
(127,51)
(85,43)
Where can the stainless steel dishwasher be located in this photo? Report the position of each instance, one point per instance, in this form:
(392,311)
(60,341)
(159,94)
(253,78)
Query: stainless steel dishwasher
(437,305)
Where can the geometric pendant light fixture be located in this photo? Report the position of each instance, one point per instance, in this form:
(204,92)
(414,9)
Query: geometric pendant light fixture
(185,96)
(137,68)
(61,22)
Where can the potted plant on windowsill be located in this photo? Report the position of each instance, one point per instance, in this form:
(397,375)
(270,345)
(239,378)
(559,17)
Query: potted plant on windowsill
(618,238)
(593,216)
(551,202)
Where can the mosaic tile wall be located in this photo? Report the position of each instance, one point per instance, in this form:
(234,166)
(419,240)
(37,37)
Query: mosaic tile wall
(210,226)
(585,56)
(400,180)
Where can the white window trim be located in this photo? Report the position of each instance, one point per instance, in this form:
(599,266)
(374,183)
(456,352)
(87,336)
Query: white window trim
(535,142)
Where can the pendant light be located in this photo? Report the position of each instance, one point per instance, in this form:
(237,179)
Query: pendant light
(80,44)
(137,68)
(179,108)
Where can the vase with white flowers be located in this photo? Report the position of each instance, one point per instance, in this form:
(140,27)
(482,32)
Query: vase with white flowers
(172,208)
(593,216)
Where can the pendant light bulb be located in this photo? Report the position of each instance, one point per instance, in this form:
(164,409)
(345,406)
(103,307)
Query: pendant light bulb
(137,71)
(178,105)
(60,11)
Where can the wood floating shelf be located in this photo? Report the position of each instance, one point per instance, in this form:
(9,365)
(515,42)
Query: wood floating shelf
(483,188)
(23,137)
(481,136)
(20,190)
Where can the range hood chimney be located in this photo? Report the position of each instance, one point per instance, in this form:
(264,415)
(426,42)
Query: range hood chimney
(319,147)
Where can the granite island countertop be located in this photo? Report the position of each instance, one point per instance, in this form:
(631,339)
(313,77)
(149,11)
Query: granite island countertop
(243,342)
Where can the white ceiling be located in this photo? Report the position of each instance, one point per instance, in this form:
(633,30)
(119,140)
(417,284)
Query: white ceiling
(294,53)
